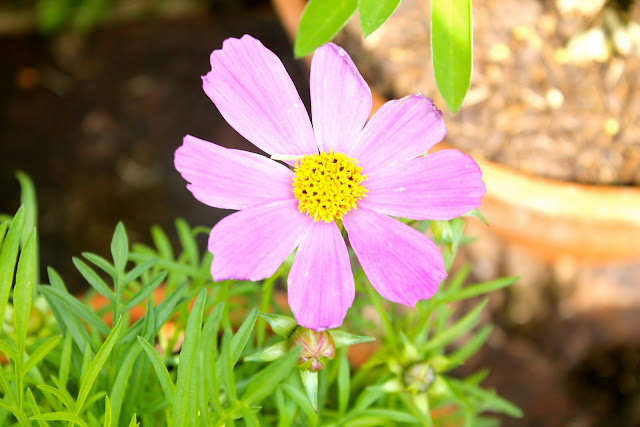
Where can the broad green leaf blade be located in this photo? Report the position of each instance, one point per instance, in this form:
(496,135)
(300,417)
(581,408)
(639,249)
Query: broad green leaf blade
(310,383)
(41,352)
(451,49)
(119,248)
(321,20)
(161,371)
(8,258)
(374,13)
(96,365)
(184,401)
(266,381)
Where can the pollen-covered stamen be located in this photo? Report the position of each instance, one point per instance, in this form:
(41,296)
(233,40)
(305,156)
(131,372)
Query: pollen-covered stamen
(328,185)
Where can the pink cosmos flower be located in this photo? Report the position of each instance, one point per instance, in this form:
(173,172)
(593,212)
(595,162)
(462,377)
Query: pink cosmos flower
(345,170)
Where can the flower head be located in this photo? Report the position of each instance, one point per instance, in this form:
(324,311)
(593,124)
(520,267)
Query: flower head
(344,168)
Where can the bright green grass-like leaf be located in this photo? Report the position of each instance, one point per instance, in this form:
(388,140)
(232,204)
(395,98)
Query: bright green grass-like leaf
(185,401)
(161,371)
(188,242)
(345,339)
(162,243)
(41,352)
(450,333)
(34,408)
(241,338)
(451,49)
(268,354)
(100,262)
(302,401)
(96,365)
(107,412)
(344,384)
(61,416)
(94,280)
(209,346)
(320,21)
(266,381)
(29,201)
(374,13)
(119,248)
(65,359)
(119,388)
(146,290)
(226,364)
(472,346)
(138,271)
(486,400)
(4,225)
(134,421)
(62,395)
(7,349)
(73,305)
(478,289)
(8,258)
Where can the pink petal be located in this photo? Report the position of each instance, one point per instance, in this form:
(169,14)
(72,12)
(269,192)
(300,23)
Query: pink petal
(321,287)
(256,96)
(231,179)
(400,130)
(442,185)
(340,99)
(251,244)
(402,264)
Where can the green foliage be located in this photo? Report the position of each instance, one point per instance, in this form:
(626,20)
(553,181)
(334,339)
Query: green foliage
(195,354)
(321,20)
(451,49)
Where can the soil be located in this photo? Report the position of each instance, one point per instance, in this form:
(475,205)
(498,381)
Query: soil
(551,93)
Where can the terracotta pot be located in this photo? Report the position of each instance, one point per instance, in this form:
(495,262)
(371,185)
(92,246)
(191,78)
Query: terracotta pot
(550,218)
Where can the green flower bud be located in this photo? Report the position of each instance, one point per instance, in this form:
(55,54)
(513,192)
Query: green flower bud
(317,348)
(419,377)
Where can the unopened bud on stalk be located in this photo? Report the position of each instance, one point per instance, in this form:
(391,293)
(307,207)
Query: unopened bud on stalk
(317,348)
(419,378)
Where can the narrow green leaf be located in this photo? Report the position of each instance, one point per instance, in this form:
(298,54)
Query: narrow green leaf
(210,349)
(472,346)
(478,289)
(29,200)
(119,248)
(452,332)
(320,21)
(162,242)
(101,263)
(226,364)
(34,408)
(184,400)
(138,271)
(187,241)
(344,384)
(281,325)
(119,388)
(268,354)
(65,360)
(107,412)
(41,352)
(146,290)
(267,379)
(241,338)
(61,416)
(302,401)
(94,280)
(374,13)
(8,258)
(451,49)
(386,415)
(4,225)
(161,371)
(63,396)
(134,421)
(310,383)
(7,349)
(96,365)
(73,305)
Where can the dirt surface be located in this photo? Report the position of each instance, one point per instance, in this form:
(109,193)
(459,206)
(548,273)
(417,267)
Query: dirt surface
(551,93)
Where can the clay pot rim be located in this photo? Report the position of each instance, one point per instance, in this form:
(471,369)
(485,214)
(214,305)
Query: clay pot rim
(546,196)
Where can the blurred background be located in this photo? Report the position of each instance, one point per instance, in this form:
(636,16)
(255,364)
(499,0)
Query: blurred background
(96,95)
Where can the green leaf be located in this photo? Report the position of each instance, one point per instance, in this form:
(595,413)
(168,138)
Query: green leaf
(477,289)
(119,388)
(65,359)
(473,345)
(61,416)
(162,243)
(187,241)
(146,290)
(241,338)
(161,371)
(345,339)
(41,352)
(62,395)
(344,384)
(8,258)
(138,271)
(320,21)
(94,280)
(476,213)
(281,325)
(107,412)
(374,13)
(301,400)
(266,380)
(452,332)
(226,363)
(184,400)
(74,306)
(451,48)
(134,421)
(119,248)
(23,290)
(100,262)
(7,349)
(310,383)
(96,365)
(34,408)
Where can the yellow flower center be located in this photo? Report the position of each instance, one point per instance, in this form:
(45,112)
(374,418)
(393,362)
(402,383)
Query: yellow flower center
(327,185)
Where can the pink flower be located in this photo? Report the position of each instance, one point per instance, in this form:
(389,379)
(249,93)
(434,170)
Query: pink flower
(346,169)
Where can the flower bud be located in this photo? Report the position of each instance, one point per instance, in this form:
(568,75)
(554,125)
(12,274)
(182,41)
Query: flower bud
(316,348)
(418,378)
